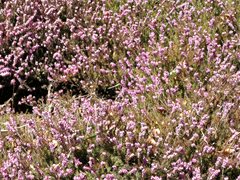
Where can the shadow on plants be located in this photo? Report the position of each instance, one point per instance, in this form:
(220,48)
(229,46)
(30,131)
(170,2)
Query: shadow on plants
(106,92)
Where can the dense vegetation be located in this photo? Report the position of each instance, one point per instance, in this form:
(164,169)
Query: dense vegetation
(129,89)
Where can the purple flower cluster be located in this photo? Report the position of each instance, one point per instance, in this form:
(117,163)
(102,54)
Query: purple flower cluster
(120,89)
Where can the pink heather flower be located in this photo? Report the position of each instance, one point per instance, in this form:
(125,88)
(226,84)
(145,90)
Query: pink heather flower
(110,177)
(156,178)
(213,173)
(47,178)
(80,177)
(123,171)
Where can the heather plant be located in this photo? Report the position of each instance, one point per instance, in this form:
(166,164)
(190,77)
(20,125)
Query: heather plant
(125,89)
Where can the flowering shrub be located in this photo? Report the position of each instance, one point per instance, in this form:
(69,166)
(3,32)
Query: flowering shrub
(119,89)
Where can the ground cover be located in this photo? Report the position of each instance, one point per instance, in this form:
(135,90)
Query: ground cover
(100,89)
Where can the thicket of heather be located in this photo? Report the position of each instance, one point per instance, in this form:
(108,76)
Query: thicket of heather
(120,89)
